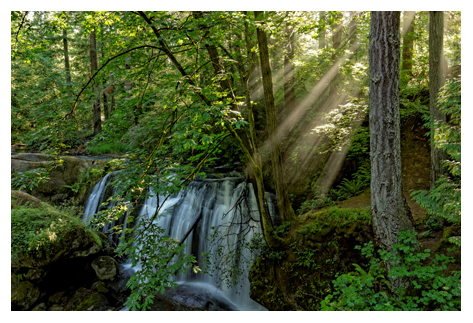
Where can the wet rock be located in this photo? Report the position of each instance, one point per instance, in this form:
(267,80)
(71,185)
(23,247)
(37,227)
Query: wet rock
(191,297)
(106,268)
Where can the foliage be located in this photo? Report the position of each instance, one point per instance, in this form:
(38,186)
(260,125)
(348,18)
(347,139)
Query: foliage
(108,148)
(35,228)
(30,179)
(369,289)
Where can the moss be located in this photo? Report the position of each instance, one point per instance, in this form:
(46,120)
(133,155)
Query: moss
(34,228)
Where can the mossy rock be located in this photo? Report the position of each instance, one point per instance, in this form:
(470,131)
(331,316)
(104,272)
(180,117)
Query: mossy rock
(87,300)
(23,293)
(20,198)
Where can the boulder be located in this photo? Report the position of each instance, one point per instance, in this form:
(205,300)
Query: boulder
(106,268)
(62,178)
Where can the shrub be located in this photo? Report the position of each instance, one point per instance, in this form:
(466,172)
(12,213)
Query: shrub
(431,288)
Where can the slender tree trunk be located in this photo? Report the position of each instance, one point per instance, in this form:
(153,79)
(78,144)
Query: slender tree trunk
(289,89)
(96,118)
(66,60)
(352,36)
(390,213)
(436,81)
(322,30)
(106,109)
(407,42)
(284,204)
(336,40)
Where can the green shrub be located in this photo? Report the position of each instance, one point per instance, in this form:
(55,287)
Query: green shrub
(431,287)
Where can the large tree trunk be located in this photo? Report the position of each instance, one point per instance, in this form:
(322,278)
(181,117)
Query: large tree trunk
(407,42)
(289,90)
(96,118)
(66,60)
(390,213)
(436,81)
(284,204)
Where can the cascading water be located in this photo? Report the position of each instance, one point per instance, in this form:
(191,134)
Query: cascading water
(215,199)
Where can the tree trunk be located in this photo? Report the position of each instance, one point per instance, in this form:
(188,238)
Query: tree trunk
(390,213)
(407,42)
(66,60)
(352,36)
(106,109)
(322,30)
(96,118)
(284,204)
(289,90)
(436,81)
(336,41)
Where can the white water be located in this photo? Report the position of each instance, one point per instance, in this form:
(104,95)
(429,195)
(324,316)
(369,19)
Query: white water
(214,198)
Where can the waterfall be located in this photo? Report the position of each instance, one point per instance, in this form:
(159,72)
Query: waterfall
(216,199)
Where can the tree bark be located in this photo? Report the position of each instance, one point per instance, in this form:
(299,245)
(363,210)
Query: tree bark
(390,213)
(284,204)
(436,81)
(66,60)
(289,90)
(407,42)
(96,118)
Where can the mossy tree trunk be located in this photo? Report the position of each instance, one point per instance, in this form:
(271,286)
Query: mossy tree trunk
(389,210)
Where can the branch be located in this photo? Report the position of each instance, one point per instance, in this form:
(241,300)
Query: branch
(21,25)
(96,72)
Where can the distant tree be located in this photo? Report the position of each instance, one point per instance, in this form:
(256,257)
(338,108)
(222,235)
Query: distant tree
(390,212)
(407,42)
(437,71)
(96,118)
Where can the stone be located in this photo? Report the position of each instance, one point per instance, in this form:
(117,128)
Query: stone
(106,268)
